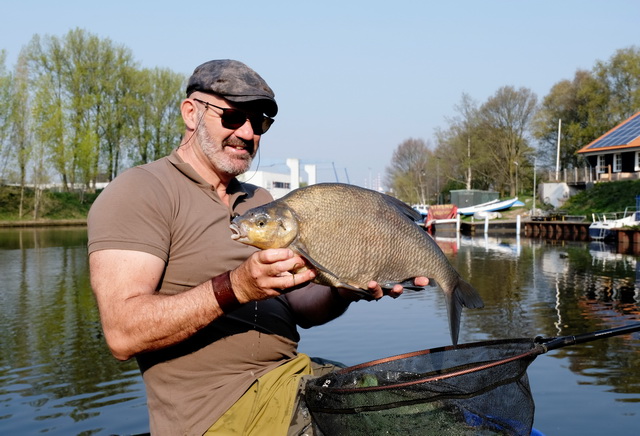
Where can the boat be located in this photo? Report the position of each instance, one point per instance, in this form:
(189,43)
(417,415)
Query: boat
(490,206)
(604,225)
(441,214)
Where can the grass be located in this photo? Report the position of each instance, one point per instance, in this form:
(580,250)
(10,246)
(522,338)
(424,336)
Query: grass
(604,197)
(53,205)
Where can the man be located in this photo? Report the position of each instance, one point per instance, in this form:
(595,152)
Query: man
(211,322)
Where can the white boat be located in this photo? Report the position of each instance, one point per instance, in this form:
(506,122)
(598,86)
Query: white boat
(604,224)
(490,206)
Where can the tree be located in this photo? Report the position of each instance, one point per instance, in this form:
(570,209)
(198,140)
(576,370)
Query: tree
(621,78)
(50,103)
(463,160)
(20,137)
(589,105)
(156,121)
(5,101)
(408,176)
(83,81)
(504,124)
(575,103)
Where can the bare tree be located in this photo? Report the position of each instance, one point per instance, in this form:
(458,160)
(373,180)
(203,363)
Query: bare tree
(505,121)
(408,174)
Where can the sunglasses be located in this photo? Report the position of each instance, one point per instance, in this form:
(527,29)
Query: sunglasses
(235,118)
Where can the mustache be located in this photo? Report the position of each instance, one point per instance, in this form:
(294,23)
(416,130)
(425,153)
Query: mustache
(249,145)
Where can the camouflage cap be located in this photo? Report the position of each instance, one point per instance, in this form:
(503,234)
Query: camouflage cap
(234,81)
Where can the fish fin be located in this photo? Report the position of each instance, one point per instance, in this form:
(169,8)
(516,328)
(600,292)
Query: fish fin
(468,296)
(403,208)
(362,293)
(406,284)
(301,249)
(454,311)
(462,295)
(365,295)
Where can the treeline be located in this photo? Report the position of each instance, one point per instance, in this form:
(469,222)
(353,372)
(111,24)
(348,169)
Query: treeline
(497,144)
(78,109)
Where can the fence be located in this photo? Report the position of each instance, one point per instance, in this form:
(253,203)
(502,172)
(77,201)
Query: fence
(575,176)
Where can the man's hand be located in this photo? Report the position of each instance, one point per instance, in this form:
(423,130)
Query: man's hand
(267,273)
(377,292)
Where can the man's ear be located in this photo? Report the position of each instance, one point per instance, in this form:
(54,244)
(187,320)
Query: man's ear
(189,113)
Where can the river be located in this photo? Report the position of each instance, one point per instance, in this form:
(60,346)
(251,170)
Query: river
(57,376)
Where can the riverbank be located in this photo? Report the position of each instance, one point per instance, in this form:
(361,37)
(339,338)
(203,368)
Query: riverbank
(44,223)
(53,208)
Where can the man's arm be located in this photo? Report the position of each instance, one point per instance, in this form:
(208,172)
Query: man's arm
(135,318)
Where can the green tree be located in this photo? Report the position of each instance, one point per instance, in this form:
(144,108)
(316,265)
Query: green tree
(49,75)
(462,158)
(20,137)
(5,101)
(621,78)
(155,116)
(83,81)
(589,105)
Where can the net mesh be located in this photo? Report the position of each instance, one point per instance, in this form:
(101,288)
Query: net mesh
(472,389)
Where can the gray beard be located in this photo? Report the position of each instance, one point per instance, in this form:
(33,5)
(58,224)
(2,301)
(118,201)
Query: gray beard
(221,161)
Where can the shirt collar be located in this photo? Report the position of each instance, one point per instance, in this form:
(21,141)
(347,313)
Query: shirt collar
(235,189)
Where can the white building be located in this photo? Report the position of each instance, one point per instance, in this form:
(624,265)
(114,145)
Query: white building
(280,184)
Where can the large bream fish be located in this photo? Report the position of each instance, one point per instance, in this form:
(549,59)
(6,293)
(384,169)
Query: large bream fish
(352,235)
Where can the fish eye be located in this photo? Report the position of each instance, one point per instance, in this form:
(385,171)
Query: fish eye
(261,220)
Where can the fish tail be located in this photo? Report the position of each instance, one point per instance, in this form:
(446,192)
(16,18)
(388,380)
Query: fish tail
(463,294)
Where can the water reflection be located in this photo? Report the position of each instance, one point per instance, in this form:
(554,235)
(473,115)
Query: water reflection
(54,363)
(57,376)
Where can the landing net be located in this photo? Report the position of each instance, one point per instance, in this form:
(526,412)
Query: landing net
(472,389)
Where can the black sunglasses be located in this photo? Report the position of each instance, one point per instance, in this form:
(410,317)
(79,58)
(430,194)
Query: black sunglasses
(234,118)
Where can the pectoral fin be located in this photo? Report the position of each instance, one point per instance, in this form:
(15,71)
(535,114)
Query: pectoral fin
(406,284)
(330,278)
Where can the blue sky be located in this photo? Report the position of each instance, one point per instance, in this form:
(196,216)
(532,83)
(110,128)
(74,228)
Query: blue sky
(353,79)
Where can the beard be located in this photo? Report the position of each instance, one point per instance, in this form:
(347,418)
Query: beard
(222,162)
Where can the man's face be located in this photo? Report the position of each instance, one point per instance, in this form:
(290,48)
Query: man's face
(229,150)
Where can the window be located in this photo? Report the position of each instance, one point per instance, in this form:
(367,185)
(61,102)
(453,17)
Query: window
(636,167)
(617,163)
(283,185)
(601,166)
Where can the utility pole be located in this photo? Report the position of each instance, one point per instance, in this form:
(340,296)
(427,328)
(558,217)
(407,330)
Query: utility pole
(534,185)
(558,151)
(468,163)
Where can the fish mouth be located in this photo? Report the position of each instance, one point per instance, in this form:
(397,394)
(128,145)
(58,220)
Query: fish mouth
(236,232)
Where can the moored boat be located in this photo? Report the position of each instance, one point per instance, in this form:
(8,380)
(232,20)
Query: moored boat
(605,224)
(491,206)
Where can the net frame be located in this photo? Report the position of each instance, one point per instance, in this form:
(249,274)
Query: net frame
(469,387)
(478,388)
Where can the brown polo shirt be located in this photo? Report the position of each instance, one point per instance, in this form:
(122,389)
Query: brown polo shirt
(166,209)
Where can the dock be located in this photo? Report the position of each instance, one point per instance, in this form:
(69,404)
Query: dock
(565,230)
(626,240)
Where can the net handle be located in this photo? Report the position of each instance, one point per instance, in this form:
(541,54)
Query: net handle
(563,341)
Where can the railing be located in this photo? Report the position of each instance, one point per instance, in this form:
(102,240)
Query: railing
(589,175)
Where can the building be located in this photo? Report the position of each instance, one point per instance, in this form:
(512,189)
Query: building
(280,184)
(616,154)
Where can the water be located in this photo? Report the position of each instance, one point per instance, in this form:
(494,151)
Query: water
(58,378)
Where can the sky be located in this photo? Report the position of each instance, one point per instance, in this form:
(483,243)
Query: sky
(353,79)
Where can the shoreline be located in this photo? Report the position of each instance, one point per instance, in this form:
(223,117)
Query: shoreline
(44,223)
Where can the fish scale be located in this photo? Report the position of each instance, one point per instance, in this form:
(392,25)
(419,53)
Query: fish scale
(353,235)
